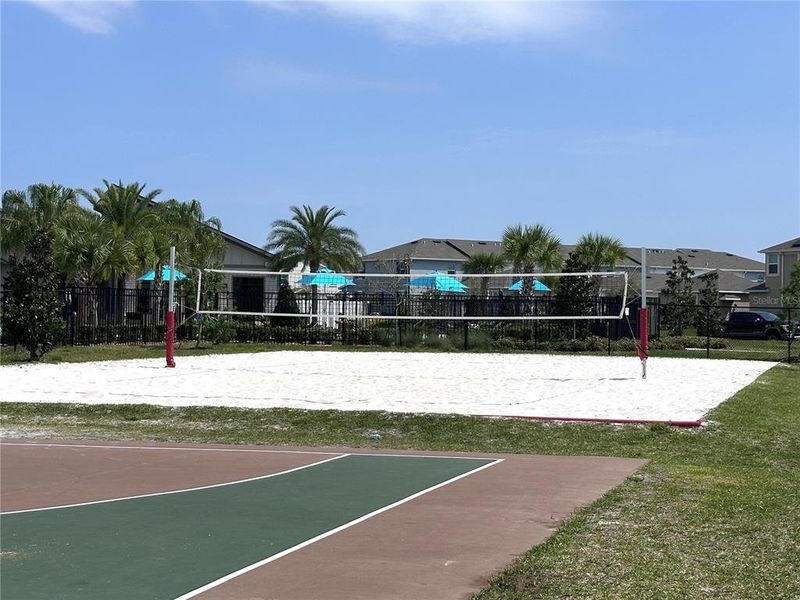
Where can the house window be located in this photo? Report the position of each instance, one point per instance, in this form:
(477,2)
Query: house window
(772,264)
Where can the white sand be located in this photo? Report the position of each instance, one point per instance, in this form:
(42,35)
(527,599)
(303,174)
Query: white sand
(534,385)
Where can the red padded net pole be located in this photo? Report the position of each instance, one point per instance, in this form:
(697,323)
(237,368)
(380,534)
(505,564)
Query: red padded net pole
(644,329)
(644,339)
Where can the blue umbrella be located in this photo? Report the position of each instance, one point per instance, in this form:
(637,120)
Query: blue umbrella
(439,282)
(325,277)
(151,275)
(538,286)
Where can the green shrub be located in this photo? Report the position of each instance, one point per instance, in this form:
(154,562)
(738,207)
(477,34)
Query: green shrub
(286,303)
(285,334)
(438,342)
(32,304)
(504,343)
(590,344)
(479,340)
(218,331)
(624,345)
(687,341)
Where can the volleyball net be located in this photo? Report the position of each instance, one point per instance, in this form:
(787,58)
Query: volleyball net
(326,298)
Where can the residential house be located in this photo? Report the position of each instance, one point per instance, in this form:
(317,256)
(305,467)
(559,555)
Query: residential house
(734,290)
(779,260)
(428,254)
(738,274)
(247,290)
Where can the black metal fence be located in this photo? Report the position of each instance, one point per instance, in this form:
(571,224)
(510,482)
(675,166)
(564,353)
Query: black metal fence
(95,316)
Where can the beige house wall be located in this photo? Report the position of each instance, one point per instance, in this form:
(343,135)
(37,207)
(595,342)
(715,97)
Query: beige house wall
(771,298)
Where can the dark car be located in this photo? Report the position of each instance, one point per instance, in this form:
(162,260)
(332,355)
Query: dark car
(757,324)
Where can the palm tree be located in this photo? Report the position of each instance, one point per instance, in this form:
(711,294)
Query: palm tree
(529,247)
(132,221)
(197,239)
(599,251)
(484,263)
(312,239)
(86,250)
(38,209)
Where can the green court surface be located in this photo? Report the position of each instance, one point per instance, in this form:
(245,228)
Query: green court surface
(165,546)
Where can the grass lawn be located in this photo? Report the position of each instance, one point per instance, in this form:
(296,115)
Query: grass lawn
(715,514)
(772,350)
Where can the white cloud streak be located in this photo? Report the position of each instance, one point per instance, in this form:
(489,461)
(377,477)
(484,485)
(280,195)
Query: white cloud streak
(91,16)
(273,76)
(454,22)
(628,141)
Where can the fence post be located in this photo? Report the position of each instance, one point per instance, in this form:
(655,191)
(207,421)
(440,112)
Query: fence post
(608,335)
(790,324)
(466,333)
(708,331)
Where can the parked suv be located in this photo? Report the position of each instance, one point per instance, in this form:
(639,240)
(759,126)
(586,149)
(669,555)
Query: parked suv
(757,324)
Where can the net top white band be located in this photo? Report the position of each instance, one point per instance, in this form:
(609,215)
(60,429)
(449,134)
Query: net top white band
(407,275)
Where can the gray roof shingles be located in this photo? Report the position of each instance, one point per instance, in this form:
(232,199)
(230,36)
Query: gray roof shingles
(727,283)
(792,245)
(461,250)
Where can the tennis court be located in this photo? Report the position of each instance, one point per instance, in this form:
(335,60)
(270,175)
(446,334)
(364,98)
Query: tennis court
(88,520)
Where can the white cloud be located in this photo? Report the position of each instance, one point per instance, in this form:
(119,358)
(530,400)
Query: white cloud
(452,21)
(92,16)
(628,141)
(271,75)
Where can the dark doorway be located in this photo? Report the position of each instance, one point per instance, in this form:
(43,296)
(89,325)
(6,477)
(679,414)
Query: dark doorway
(248,294)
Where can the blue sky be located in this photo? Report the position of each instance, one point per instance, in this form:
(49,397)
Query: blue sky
(664,124)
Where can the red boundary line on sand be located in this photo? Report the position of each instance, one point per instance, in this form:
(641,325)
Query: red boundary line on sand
(697,423)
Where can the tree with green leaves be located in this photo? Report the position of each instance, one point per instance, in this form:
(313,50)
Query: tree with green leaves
(531,247)
(39,210)
(599,251)
(131,220)
(575,295)
(484,263)
(679,314)
(481,263)
(790,295)
(286,303)
(312,238)
(708,319)
(197,238)
(198,243)
(32,304)
(86,251)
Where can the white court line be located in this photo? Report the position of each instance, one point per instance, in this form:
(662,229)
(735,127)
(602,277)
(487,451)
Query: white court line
(194,489)
(322,536)
(264,451)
